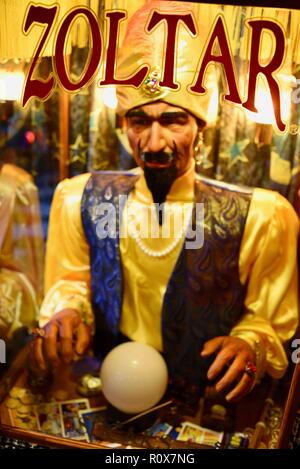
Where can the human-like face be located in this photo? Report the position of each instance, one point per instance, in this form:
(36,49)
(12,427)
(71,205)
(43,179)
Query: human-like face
(161,127)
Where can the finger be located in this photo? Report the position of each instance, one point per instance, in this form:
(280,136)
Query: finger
(241,389)
(50,343)
(32,361)
(83,338)
(66,334)
(233,373)
(221,361)
(212,346)
(36,354)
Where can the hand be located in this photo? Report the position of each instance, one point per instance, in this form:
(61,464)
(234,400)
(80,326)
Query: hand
(233,354)
(65,334)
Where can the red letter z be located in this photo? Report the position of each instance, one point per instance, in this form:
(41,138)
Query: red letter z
(38,88)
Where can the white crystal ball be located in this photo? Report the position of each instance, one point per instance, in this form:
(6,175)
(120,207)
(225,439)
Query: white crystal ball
(134,377)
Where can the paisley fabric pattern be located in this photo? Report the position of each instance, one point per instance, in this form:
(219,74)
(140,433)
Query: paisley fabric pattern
(102,193)
(204,297)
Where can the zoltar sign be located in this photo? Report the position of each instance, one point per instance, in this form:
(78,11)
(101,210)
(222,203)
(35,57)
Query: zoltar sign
(171,22)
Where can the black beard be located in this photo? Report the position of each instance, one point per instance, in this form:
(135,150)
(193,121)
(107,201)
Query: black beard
(159,180)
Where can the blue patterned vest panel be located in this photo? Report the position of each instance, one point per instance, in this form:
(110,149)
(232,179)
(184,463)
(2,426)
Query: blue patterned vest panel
(204,297)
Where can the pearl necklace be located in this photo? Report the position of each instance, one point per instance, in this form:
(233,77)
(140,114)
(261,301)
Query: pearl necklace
(151,252)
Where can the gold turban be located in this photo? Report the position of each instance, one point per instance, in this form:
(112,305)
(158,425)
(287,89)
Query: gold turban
(142,48)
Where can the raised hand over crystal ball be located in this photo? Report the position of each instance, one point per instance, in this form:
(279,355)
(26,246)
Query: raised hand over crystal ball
(134,377)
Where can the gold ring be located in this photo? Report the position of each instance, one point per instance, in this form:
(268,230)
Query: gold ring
(38,332)
(250,369)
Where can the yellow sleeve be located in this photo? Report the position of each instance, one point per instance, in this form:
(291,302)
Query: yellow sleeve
(67,271)
(268,265)
(21,234)
(30,235)
(21,250)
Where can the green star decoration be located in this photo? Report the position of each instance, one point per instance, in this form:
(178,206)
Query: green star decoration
(78,150)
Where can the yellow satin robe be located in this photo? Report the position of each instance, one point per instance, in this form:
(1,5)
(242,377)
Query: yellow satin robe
(21,250)
(267,263)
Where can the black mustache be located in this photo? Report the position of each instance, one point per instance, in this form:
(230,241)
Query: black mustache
(160,157)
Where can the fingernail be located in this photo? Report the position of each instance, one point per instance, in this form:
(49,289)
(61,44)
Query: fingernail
(42,366)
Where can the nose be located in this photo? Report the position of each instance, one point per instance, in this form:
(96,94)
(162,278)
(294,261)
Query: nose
(156,139)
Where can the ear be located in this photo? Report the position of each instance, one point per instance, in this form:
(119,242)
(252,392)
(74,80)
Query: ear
(123,123)
(201,124)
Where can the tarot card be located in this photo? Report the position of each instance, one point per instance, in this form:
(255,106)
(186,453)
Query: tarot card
(196,434)
(49,418)
(89,417)
(71,423)
(159,429)
(24,417)
(174,433)
(236,440)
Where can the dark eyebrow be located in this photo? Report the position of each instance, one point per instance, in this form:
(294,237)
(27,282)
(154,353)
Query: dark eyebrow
(174,114)
(134,113)
(171,114)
